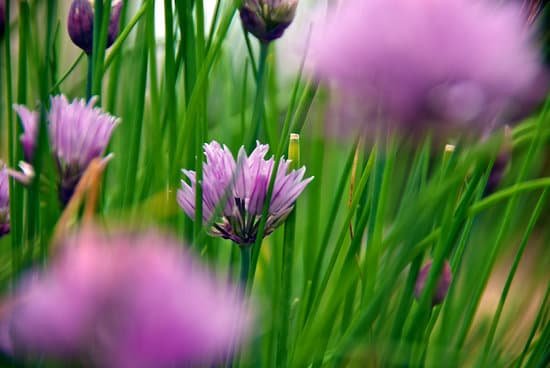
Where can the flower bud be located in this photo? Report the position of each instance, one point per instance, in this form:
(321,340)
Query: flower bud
(443,282)
(80,24)
(294,151)
(267,19)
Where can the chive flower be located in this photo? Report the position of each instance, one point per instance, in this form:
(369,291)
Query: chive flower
(267,19)
(431,65)
(78,132)
(442,286)
(80,24)
(239,189)
(4,201)
(125,300)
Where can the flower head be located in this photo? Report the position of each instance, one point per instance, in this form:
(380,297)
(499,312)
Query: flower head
(241,187)
(442,286)
(267,19)
(80,24)
(431,64)
(78,131)
(126,300)
(4,201)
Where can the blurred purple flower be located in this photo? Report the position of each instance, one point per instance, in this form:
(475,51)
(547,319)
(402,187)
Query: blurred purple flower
(442,286)
(421,64)
(243,184)
(78,131)
(126,301)
(267,19)
(80,24)
(4,201)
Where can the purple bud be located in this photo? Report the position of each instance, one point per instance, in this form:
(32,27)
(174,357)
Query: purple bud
(267,19)
(80,24)
(442,286)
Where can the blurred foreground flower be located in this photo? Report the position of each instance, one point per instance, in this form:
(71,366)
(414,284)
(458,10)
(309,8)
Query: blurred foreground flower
(78,132)
(243,185)
(442,286)
(126,300)
(432,64)
(267,19)
(4,202)
(80,24)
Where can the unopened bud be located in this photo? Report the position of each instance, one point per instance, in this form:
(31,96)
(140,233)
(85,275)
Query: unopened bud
(267,19)
(294,151)
(443,282)
(80,24)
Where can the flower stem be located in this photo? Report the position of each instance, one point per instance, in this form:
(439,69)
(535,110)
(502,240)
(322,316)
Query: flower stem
(260,93)
(89,79)
(494,323)
(245,265)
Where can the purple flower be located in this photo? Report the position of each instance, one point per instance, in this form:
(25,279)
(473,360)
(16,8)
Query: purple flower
(80,24)
(4,201)
(126,300)
(243,184)
(434,63)
(78,131)
(442,286)
(267,19)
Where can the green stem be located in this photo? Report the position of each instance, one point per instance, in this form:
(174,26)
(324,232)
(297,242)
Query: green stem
(471,308)
(102,18)
(55,87)
(15,205)
(117,45)
(534,328)
(286,289)
(257,113)
(512,273)
(89,79)
(245,264)
(525,186)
